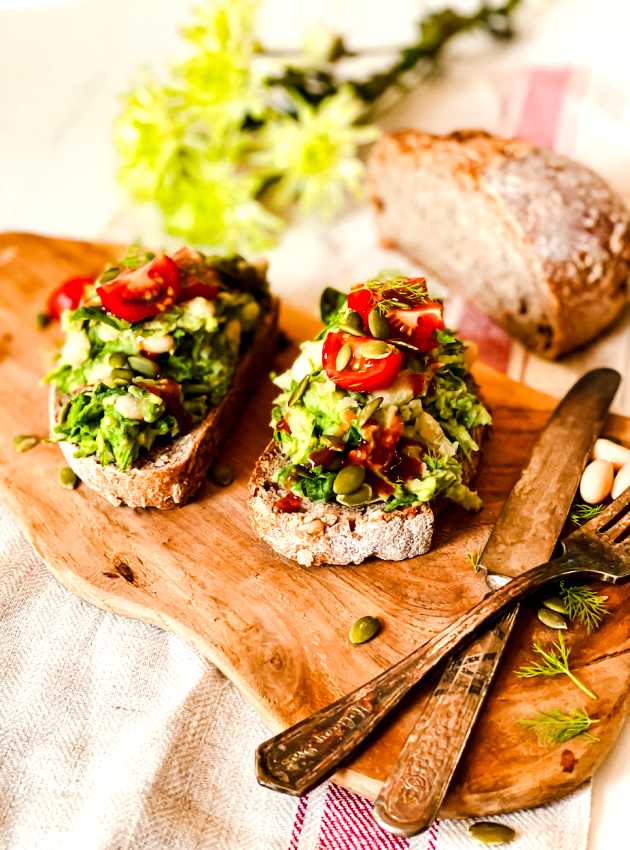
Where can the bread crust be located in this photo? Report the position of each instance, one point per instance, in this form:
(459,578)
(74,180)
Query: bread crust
(329,533)
(169,477)
(568,229)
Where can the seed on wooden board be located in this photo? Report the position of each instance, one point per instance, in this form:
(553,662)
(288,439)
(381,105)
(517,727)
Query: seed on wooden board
(364,629)
(612,452)
(551,618)
(299,391)
(344,356)
(377,324)
(554,603)
(24,442)
(221,474)
(68,478)
(348,480)
(488,832)
(622,480)
(597,481)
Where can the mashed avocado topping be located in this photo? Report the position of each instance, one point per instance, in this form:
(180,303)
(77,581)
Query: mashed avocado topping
(163,351)
(380,407)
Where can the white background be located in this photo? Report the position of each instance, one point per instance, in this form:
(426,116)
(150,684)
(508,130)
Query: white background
(63,65)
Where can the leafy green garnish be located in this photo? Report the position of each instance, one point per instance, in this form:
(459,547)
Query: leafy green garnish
(474,559)
(98,314)
(557,727)
(583,605)
(555,662)
(330,303)
(582,513)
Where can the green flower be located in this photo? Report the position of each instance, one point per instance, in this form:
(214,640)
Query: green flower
(224,26)
(314,153)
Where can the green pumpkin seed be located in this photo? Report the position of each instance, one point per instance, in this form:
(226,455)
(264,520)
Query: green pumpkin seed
(221,474)
(348,479)
(488,832)
(118,360)
(196,389)
(67,478)
(344,356)
(353,320)
(370,409)
(144,366)
(125,375)
(359,497)
(551,619)
(377,324)
(43,320)
(364,629)
(25,442)
(554,603)
(375,349)
(349,329)
(299,391)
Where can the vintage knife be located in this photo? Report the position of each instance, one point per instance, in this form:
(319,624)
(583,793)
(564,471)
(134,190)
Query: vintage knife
(298,758)
(525,533)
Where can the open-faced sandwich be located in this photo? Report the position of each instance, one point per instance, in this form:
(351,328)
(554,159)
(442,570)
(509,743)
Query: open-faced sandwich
(158,358)
(377,424)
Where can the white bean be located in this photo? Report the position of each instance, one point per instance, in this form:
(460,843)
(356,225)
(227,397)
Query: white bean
(614,453)
(597,481)
(622,480)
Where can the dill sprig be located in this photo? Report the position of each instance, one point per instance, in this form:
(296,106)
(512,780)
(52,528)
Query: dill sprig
(556,727)
(474,559)
(582,513)
(583,605)
(555,662)
(398,292)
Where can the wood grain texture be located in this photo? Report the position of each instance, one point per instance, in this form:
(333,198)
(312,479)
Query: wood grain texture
(279,631)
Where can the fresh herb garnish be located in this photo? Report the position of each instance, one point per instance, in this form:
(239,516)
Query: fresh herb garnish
(556,727)
(474,559)
(582,513)
(330,303)
(583,605)
(555,662)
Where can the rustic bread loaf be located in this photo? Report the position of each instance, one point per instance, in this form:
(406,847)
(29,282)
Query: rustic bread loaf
(171,475)
(536,240)
(329,533)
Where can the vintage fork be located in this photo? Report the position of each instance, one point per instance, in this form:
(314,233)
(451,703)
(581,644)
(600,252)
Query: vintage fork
(297,759)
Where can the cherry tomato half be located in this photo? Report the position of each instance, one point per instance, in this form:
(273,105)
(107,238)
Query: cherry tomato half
(362,374)
(67,296)
(142,293)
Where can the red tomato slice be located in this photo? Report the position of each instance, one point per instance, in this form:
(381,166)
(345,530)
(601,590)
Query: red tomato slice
(362,374)
(193,288)
(362,300)
(144,292)
(67,296)
(419,324)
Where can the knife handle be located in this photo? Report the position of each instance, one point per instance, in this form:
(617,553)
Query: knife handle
(412,795)
(297,759)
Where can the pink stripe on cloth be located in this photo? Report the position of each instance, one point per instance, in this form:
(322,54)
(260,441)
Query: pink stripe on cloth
(298,823)
(543,104)
(348,824)
(494,343)
(432,835)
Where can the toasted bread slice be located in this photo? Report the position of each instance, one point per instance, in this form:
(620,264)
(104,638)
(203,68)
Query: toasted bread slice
(169,476)
(329,533)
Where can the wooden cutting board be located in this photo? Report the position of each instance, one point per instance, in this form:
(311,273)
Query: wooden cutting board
(279,631)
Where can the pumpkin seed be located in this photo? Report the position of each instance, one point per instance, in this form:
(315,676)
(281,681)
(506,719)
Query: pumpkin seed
(43,320)
(125,375)
(370,409)
(377,324)
(196,389)
(332,441)
(67,478)
(118,360)
(364,629)
(353,320)
(299,391)
(344,355)
(221,474)
(24,442)
(551,619)
(554,603)
(144,366)
(375,349)
(359,497)
(349,329)
(348,479)
(488,832)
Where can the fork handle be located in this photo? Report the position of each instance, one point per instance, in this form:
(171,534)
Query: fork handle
(296,760)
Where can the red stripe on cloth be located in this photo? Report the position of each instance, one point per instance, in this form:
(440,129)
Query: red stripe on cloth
(298,823)
(432,835)
(348,824)
(494,343)
(543,105)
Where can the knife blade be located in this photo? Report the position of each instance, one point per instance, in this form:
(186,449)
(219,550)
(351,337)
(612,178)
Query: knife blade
(525,533)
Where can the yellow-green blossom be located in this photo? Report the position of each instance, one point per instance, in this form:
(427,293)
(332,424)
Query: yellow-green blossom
(314,154)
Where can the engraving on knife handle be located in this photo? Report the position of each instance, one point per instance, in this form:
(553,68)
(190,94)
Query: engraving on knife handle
(411,797)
